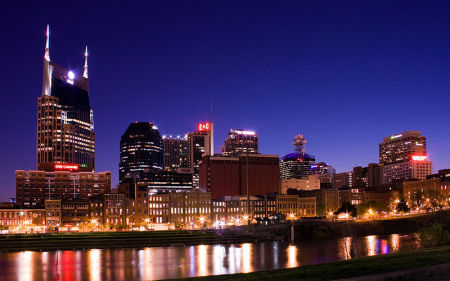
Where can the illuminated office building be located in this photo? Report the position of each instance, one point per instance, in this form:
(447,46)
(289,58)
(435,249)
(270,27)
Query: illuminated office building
(65,124)
(65,140)
(175,153)
(240,141)
(141,151)
(404,156)
(400,147)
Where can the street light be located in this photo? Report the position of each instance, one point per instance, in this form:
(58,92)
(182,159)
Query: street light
(202,220)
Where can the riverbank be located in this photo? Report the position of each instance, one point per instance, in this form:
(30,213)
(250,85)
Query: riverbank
(304,230)
(347,269)
(354,228)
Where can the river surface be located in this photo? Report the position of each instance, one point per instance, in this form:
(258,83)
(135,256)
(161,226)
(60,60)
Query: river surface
(176,262)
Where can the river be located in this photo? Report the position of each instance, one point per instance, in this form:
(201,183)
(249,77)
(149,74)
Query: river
(176,262)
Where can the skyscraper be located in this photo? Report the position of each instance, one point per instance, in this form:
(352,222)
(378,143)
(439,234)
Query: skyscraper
(400,147)
(141,151)
(240,141)
(175,153)
(404,156)
(65,124)
(200,143)
(65,140)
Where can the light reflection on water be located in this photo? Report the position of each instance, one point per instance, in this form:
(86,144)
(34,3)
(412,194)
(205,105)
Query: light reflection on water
(174,262)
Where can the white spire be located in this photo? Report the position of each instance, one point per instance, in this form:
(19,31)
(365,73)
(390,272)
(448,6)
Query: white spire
(47,49)
(85,73)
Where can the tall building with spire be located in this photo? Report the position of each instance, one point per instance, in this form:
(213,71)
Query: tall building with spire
(65,124)
(65,140)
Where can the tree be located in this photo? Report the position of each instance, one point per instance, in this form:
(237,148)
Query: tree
(402,207)
(374,205)
(347,207)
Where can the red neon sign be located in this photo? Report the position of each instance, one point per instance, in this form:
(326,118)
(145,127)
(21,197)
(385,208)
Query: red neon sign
(203,127)
(67,167)
(419,157)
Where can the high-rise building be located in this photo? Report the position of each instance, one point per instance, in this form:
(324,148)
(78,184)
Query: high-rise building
(65,140)
(404,156)
(175,153)
(240,141)
(65,124)
(298,164)
(400,147)
(200,143)
(141,151)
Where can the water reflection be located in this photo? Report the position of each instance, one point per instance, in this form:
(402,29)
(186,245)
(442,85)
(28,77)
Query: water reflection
(202,260)
(345,248)
(292,256)
(246,257)
(395,242)
(25,263)
(175,262)
(371,245)
(94,262)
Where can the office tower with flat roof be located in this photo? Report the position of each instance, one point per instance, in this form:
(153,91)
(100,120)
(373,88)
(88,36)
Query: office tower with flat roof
(65,124)
(175,152)
(404,156)
(240,141)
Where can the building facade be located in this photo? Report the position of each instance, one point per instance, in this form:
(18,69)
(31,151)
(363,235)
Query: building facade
(233,176)
(34,187)
(309,182)
(175,153)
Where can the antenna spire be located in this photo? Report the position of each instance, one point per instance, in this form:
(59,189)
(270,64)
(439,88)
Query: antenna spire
(47,47)
(85,73)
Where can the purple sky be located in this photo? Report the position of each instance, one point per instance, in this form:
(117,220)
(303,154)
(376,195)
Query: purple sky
(343,73)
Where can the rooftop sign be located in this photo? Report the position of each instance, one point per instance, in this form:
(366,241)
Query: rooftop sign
(396,136)
(204,127)
(419,158)
(244,132)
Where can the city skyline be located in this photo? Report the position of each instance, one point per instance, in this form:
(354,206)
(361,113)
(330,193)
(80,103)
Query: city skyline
(341,146)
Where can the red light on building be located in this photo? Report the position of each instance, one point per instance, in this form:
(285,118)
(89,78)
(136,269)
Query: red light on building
(204,127)
(419,157)
(67,167)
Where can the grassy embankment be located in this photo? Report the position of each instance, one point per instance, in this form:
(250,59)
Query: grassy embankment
(348,268)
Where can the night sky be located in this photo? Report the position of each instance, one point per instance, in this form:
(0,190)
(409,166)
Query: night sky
(343,73)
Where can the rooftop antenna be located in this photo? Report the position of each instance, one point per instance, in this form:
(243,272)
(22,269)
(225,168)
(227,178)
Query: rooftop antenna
(299,144)
(47,44)
(85,73)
